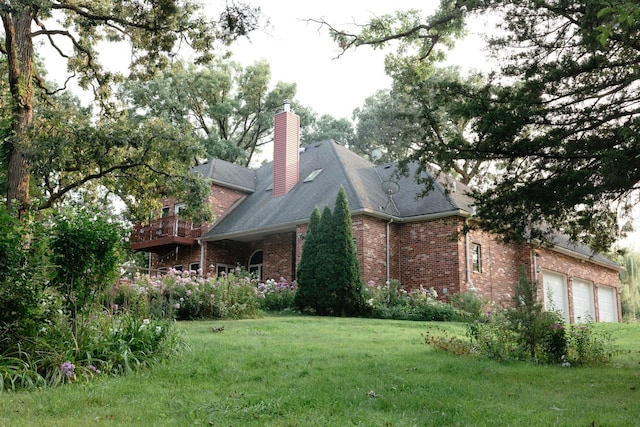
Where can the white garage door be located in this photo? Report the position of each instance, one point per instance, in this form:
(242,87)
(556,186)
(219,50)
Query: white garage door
(607,304)
(555,294)
(583,304)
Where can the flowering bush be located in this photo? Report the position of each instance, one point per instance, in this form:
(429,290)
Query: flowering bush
(392,301)
(276,296)
(185,295)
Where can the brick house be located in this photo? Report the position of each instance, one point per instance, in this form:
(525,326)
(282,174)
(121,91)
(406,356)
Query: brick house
(262,216)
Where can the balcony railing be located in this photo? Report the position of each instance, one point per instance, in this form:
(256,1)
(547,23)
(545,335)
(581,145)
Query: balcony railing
(166,228)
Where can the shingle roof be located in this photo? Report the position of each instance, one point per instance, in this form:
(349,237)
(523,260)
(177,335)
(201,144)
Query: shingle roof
(227,174)
(260,213)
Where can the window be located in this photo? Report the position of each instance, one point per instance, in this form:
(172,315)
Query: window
(165,211)
(476,258)
(177,267)
(179,206)
(255,264)
(312,175)
(223,269)
(194,266)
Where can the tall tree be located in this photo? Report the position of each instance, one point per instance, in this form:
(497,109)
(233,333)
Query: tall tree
(155,31)
(308,293)
(135,157)
(227,107)
(424,107)
(563,114)
(346,283)
(329,279)
(328,127)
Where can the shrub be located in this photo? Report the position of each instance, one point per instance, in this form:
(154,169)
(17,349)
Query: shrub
(525,332)
(470,303)
(392,301)
(187,295)
(23,267)
(276,296)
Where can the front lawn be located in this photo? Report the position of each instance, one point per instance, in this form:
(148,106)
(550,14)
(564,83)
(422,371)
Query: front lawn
(322,371)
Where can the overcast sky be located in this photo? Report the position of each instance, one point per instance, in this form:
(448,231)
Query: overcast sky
(303,53)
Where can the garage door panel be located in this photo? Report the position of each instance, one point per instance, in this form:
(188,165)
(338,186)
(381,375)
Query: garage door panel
(555,293)
(583,301)
(607,304)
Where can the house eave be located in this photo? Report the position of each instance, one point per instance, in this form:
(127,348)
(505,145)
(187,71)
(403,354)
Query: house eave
(583,257)
(416,218)
(251,235)
(233,186)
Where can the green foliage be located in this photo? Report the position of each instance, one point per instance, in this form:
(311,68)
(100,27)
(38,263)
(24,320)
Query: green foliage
(630,285)
(184,295)
(420,115)
(276,296)
(554,112)
(329,281)
(392,301)
(23,275)
(328,127)
(86,248)
(135,157)
(525,332)
(226,109)
(308,286)
(469,302)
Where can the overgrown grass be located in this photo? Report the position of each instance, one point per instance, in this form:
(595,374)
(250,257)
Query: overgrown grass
(315,371)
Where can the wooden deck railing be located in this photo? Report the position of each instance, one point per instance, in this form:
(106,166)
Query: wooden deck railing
(169,226)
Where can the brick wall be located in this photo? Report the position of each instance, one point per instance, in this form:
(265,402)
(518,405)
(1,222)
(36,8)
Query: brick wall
(499,266)
(279,250)
(222,199)
(429,255)
(370,235)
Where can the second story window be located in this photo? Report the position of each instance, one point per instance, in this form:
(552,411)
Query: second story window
(165,211)
(178,207)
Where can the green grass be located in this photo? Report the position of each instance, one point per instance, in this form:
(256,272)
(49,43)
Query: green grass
(307,371)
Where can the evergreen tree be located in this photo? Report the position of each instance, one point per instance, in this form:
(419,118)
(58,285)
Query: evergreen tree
(307,291)
(346,283)
(329,279)
(324,272)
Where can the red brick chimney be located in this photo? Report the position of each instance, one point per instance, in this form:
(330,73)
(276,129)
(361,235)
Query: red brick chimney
(286,154)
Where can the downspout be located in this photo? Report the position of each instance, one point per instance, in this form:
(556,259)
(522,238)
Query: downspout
(388,251)
(467,256)
(201,256)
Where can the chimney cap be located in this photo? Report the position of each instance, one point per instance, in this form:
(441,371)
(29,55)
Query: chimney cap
(286,106)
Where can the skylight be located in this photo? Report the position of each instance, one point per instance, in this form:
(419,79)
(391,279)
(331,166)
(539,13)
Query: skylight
(312,175)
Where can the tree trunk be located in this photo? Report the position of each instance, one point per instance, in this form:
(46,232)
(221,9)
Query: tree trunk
(19,51)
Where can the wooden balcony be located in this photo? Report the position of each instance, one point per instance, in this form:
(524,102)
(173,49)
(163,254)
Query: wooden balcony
(164,234)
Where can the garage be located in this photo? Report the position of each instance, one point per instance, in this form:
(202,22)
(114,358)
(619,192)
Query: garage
(583,301)
(555,293)
(607,304)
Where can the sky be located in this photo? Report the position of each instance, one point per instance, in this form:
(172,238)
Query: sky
(303,53)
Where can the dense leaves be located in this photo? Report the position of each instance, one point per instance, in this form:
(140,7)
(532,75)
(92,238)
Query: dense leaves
(561,113)
(328,277)
(155,31)
(228,109)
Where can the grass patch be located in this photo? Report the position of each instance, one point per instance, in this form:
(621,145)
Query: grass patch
(311,371)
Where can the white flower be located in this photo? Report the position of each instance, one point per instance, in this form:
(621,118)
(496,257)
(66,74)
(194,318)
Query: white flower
(146,321)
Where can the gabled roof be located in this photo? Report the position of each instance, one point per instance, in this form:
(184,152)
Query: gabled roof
(260,213)
(228,174)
